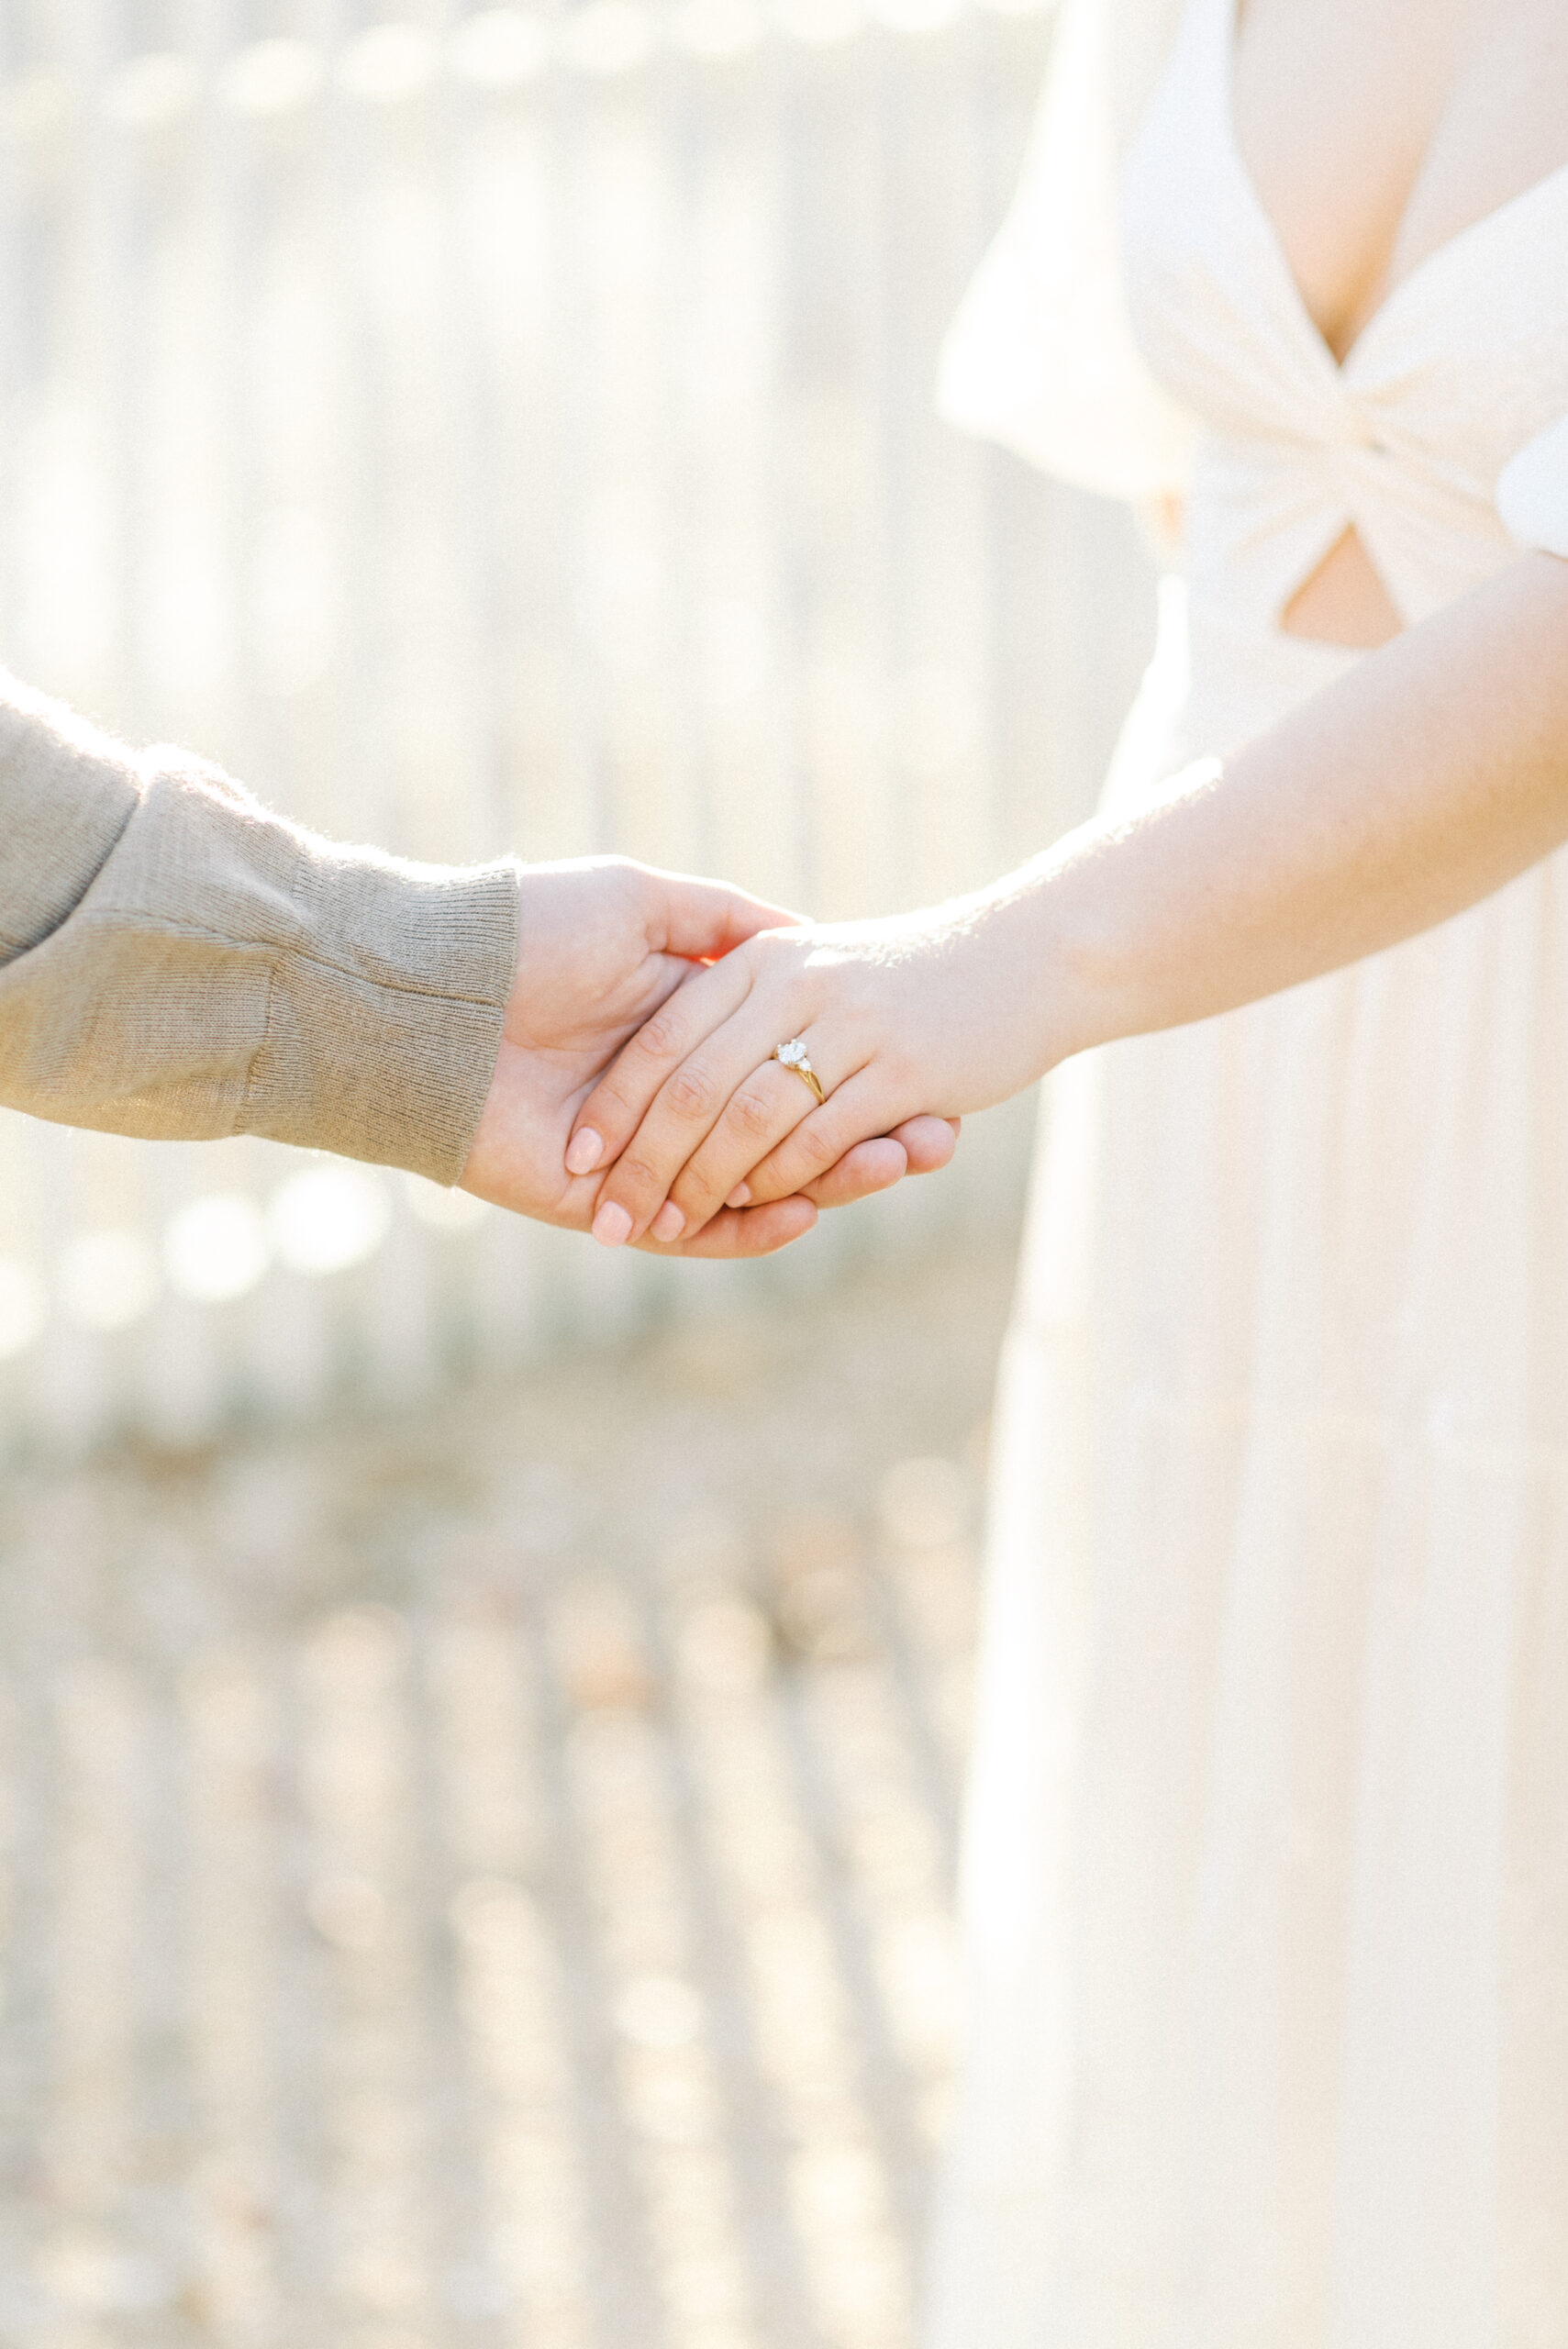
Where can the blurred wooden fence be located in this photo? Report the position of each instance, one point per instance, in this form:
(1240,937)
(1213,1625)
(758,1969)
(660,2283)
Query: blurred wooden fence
(502,430)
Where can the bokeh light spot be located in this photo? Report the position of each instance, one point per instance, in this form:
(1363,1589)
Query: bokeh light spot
(215,1249)
(152,90)
(84,2270)
(24,1308)
(499,47)
(329,1217)
(819,23)
(107,1279)
(607,37)
(716,29)
(273,77)
(659,2010)
(388,64)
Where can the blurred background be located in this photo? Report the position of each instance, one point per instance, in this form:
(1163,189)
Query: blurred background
(482,1720)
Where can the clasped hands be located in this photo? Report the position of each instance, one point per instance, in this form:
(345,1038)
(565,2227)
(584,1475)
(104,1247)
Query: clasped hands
(637,1093)
(620,967)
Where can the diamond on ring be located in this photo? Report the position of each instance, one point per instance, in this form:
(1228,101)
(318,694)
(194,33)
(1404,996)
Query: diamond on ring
(794,1055)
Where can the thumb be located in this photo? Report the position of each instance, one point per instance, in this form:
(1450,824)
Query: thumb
(702,920)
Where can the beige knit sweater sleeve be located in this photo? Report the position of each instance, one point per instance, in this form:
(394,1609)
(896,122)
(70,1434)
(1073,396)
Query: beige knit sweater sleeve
(177,960)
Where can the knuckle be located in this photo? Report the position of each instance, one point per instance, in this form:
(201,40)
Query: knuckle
(751,1114)
(820,1147)
(660,1036)
(617,1092)
(693,1192)
(708,1182)
(637,1179)
(691,1093)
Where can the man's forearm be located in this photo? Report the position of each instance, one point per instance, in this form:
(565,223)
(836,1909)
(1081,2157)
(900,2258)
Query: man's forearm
(177,960)
(1433,773)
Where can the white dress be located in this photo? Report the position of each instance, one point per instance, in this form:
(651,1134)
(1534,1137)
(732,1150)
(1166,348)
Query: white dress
(1266,1886)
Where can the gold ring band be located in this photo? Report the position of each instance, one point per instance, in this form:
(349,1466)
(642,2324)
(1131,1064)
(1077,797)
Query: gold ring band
(794,1055)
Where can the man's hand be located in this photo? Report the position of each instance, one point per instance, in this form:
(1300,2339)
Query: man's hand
(601,943)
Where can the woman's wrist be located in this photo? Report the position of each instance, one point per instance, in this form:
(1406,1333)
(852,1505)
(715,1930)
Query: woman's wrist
(1053,972)
(1118,919)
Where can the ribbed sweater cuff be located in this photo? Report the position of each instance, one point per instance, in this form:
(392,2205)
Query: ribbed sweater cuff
(386,982)
(382,1034)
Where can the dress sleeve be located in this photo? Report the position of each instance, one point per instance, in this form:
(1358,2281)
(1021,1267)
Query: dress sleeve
(1041,355)
(178,962)
(1532,493)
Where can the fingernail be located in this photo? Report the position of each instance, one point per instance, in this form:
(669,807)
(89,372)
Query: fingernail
(583,1152)
(669,1223)
(611,1225)
(739,1195)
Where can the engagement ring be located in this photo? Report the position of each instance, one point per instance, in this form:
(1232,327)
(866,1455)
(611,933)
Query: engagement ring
(795,1055)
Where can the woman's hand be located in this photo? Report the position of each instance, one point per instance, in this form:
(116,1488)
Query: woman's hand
(935,1012)
(603,942)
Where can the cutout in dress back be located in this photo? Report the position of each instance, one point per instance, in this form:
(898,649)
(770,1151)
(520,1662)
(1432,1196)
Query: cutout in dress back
(1343,601)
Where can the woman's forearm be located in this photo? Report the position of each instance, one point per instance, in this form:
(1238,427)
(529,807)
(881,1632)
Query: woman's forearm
(1432,773)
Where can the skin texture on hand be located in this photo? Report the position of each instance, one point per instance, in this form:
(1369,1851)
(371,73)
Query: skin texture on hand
(603,943)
